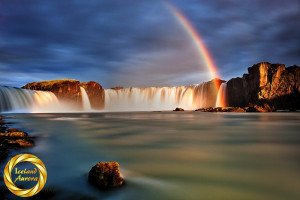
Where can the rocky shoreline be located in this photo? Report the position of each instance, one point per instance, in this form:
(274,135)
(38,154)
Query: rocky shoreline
(12,139)
(237,109)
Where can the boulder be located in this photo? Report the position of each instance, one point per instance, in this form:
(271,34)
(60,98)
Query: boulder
(18,143)
(106,175)
(178,109)
(16,134)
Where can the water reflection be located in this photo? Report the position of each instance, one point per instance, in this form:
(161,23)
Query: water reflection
(167,155)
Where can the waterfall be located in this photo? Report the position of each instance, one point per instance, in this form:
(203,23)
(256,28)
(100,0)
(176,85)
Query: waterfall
(222,96)
(21,100)
(119,99)
(160,98)
(85,100)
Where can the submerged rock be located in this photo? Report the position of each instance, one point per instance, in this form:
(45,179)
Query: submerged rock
(18,143)
(13,138)
(14,133)
(106,175)
(222,109)
(178,109)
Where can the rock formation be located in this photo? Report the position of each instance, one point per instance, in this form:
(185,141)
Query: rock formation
(69,91)
(106,175)
(178,109)
(95,93)
(269,86)
(11,138)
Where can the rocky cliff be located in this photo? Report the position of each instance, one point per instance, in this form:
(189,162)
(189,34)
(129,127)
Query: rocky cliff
(95,93)
(270,85)
(69,91)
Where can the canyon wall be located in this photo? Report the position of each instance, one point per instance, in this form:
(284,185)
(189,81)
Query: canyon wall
(69,91)
(273,86)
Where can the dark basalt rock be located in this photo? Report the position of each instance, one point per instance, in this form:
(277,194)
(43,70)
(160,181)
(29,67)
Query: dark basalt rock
(268,86)
(106,175)
(117,88)
(18,142)
(178,109)
(14,133)
(11,138)
(220,109)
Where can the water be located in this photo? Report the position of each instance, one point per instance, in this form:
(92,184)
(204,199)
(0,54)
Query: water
(222,96)
(171,155)
(85,100)
(21,100)
(125,99)
(161,98)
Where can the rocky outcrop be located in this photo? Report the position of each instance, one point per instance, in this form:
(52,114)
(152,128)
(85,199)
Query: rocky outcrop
(11,138)
(95,93)
(117,88)
(69,91)
(64,90)
(106,175)
(178,109)
(251,108)
(220,109)
(269,86)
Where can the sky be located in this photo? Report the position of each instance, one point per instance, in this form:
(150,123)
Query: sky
(140,42)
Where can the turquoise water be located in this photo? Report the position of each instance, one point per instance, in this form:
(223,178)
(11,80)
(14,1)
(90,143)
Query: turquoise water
(171,155)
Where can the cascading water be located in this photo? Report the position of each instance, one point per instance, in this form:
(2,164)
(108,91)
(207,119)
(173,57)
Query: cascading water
(222,96)
(21,100)
(85,100)
(124,99)
(159,98)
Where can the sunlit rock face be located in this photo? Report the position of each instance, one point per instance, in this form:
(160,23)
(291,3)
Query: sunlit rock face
(64,90)
(95,93)
(266,83)
(69,91)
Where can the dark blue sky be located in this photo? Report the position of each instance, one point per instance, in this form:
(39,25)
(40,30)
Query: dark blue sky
(139,42)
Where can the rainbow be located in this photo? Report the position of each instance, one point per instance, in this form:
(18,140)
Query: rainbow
(197,40)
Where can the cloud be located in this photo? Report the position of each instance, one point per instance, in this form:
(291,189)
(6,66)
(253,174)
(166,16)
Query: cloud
(139,42)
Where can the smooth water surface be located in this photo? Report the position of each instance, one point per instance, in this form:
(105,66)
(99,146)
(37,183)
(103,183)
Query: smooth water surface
(172,155)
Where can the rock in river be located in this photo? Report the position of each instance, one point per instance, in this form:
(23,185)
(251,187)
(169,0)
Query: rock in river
(106,175)
(178,109)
